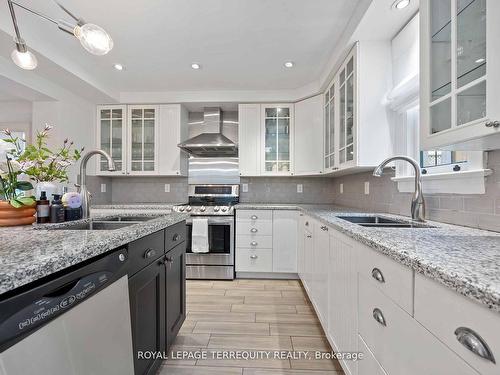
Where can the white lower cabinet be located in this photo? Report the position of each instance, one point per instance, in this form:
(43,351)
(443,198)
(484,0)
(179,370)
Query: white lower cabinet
(369,364)
(285,241)
(254,260)
(321,241)
(342,295)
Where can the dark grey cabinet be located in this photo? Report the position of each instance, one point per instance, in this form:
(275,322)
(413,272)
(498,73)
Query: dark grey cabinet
(175,282)
(147,312)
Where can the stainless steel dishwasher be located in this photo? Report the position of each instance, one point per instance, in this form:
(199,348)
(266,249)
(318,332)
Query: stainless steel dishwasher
(76,323)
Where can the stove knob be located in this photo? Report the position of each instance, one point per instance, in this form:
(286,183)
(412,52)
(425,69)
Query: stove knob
(188,208)
(203,209)
(216,209)
(181,209)
(224,209)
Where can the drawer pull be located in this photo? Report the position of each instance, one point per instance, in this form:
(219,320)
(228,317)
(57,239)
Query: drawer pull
(475,343)
(149,253)
(253,256)
(379,317)
(325,228)
(309,236)
(175,238)
(493,124)
(254,230)
(254,243)
(254,217)
(377,275)
(307,223)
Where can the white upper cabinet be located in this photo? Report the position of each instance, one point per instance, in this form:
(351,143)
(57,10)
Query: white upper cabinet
(308,148)
(249,139)
(356,127)
(460,75)
(142,139)
(277,139)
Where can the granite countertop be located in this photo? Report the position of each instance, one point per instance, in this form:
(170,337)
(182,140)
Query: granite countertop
(31,252)
(136,206)
(464,259)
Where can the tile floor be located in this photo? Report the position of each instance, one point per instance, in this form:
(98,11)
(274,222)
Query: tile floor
(251,316)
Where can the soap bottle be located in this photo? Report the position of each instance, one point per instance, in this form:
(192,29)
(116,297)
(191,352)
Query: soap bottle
(42,209)
(56,210)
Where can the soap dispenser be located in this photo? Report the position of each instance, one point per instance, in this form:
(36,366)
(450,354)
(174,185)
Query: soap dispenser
(56,209)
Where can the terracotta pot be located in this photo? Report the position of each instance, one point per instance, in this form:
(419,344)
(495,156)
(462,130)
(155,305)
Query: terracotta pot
(10,216)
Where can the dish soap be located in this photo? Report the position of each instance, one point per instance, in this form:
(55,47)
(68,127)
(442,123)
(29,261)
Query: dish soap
(56,210)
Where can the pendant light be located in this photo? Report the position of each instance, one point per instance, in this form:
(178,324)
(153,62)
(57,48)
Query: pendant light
(92,37)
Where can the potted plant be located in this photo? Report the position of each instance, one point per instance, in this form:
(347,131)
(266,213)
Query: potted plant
(15,207)
(44,166)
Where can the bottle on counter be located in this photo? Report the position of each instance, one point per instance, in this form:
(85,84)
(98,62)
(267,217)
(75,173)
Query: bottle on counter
(72,202)
(42,209)
(56,210)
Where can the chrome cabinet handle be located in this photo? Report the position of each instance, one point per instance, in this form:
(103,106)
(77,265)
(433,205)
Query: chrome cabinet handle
(254,217)
(325,228)
(149,253)
(377,275)
(176,237)
(475,343)
(379,317)
(253,243)
(309,236)
(253,256)
(254,230)
(492,124)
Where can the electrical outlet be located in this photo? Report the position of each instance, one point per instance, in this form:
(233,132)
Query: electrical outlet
(244,187)
(103,188)
(300,188)
(167,188)
(367,187)
(341,188)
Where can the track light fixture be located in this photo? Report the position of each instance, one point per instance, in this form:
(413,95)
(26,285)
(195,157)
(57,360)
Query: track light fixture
(92,37)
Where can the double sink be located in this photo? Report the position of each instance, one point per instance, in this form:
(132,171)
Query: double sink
(382,222)
(109,223)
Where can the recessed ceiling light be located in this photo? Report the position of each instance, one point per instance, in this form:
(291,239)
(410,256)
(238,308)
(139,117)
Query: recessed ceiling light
(288,64)
(479,61)
(401,4)
(118,66)
(195,66)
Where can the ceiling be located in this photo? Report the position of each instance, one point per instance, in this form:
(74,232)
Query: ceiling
(11,91)
(240,44)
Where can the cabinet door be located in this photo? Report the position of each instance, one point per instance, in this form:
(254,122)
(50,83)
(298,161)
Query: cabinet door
(276,139)
(342,295)
(249,139)
(142,140)
(172,129)
(347,112)
(320,270)
(330,121)
(175,283)
(301,247)
(147,312)
(308,153)
(308,260)
(285,241)
(111,137)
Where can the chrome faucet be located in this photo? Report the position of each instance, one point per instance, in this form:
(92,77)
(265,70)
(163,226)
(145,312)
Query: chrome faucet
(417,201)
(83,177)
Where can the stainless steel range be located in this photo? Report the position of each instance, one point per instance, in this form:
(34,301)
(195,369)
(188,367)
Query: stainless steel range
(216,204)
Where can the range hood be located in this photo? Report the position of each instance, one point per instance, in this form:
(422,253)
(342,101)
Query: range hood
(211,143)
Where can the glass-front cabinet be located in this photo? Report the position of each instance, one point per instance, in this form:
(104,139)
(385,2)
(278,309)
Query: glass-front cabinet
(130,135)
(112,135)
(330,162)
(277,143)
(459,72)
(346,112)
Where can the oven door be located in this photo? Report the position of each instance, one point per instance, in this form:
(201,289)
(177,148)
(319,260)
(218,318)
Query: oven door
(220,242)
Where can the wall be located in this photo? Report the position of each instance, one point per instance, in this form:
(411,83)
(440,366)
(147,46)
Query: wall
(478,211)
(284,190)
(15,111)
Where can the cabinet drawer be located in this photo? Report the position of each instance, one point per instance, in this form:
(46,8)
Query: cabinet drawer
(144,250)
(254,215)
(262,227)
(442,311)
(254,242)
(254,260)
(398,342)
(174,235)
(368,365)
(392,278)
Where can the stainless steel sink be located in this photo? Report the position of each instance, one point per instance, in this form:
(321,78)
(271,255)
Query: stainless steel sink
(95,225)
(382,222)
(131,218)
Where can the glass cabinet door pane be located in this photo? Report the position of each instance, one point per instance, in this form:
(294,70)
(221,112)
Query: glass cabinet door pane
(342,116)
(271,112)
(106,135)
(149,139)
(271,139)
(116,149)
(349,115)
(327,130)
(441,116)
(471,40)
(105,113)
(136,141)
(331,149)
(440,54)
(283,112)
(283,139)
(471,104)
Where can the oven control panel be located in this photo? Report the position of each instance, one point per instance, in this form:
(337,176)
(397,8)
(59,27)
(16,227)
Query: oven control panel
(205,210)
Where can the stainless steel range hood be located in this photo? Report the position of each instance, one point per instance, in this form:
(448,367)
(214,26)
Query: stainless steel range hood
(211,143)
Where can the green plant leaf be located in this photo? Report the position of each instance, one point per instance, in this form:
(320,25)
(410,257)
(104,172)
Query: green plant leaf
(23,185)
(26,201)
(15,203)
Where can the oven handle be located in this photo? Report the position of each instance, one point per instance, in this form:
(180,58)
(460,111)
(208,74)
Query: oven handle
(225,220)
